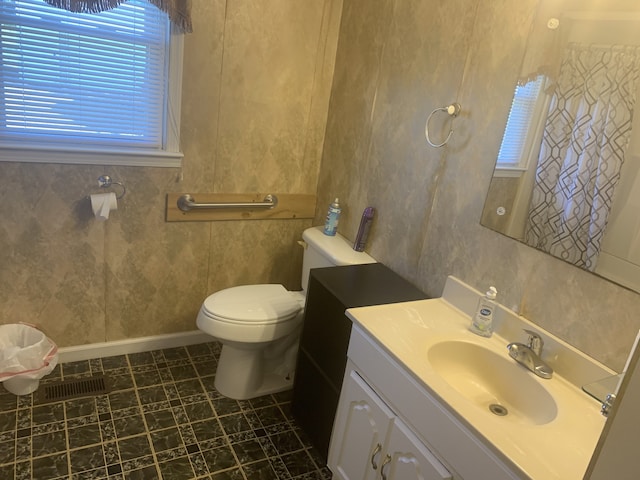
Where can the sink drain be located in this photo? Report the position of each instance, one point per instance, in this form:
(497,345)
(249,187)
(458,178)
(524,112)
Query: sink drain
(498,410)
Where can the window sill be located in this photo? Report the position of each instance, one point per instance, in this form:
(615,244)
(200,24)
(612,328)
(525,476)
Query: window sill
(86,156)
(508,172)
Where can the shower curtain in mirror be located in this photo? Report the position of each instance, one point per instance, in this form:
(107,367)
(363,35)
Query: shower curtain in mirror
(587,131)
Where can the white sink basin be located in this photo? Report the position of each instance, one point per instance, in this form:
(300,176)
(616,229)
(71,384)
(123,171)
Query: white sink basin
(493,383)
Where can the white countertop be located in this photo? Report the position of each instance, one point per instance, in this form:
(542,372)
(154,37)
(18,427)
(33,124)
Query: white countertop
(559,449)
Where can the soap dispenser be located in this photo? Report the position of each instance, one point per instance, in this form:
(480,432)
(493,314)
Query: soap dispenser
(482,321)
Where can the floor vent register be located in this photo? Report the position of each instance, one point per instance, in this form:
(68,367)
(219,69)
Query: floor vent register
(73,388)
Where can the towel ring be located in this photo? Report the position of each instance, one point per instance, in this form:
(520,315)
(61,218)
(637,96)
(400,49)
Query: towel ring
(452,110)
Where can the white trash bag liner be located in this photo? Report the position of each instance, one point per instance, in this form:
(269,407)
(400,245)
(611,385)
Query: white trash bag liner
(26,355)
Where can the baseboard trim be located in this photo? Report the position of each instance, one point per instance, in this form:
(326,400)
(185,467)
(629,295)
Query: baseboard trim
(131,345)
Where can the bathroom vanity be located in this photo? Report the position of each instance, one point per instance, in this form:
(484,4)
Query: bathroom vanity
(322,355)
(424,398)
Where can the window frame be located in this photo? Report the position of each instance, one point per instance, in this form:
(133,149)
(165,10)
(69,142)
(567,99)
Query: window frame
(169,156)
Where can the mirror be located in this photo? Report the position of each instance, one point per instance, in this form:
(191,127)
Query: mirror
(567,177)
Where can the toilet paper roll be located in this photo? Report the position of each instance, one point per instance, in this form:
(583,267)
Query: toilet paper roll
(102,204)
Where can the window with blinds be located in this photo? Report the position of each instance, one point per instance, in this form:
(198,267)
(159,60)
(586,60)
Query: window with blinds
(522,125)
(88,85)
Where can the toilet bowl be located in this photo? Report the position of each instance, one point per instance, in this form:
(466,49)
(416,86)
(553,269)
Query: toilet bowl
(259,325)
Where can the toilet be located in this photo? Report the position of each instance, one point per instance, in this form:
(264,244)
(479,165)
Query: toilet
(259,325)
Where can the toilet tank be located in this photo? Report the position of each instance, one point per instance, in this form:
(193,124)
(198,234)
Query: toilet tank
(324,251)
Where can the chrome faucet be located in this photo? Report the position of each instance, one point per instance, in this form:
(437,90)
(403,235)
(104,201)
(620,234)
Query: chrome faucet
(529,355)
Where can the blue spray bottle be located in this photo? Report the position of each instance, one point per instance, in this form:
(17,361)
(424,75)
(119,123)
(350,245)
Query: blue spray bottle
(333,217)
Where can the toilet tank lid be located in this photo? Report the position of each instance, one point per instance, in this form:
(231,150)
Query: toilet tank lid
(337,249)
(253,303)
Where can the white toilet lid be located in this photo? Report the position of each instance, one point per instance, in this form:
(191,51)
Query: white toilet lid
(266,303)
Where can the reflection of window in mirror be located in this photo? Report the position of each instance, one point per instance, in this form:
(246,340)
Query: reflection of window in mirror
(524,127)
(514,176)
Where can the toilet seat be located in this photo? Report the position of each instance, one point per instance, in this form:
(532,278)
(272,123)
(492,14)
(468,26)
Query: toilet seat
(253,305)
(251,314)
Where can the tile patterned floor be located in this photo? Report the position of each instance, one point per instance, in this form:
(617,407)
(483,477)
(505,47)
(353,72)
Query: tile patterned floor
(162,420)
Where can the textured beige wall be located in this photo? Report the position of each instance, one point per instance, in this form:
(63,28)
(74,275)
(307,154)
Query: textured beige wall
(398,60)
(256,88)
(255,97)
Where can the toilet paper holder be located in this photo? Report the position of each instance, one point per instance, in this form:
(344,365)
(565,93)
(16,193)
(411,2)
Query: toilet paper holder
(105,181)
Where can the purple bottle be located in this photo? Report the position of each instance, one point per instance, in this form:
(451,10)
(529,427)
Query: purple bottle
(363,230)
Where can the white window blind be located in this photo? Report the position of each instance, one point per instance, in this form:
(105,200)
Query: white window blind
(523,118)
(95,82)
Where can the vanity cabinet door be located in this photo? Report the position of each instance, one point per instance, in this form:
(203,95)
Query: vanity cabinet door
(370,442)
(407,458)
(360,430)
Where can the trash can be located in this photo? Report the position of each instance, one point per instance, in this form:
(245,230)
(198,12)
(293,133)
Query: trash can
(26,355)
